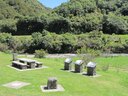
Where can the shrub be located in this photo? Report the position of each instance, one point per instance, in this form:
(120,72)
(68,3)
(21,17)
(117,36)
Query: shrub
(88,54)
(26,43)
(52,42)
(69,43)
(59,25)
(8,25)
(15,45)
(115,24)
(3,47)
(28,25)
(37,38)
(40,53)
(5,37)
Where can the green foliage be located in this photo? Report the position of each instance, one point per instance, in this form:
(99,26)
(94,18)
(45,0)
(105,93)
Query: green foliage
(59,25)
(40,53)
(89,15)
(37,38)
(65,43)
(3,47)
(29,25)
(69,43)
(25,17)
(50,42)
(76,8)
(92,40)
(115,24)
(62,29)
(20,17)
(5,37)
(54,43)
(87,54)
(86,23)
(17,8)
(91,47)
(19,45)
(107,6)
(124,9)
(8,42)
(8,25)
(6,11)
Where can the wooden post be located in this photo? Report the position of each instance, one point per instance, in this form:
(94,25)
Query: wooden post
(14,56)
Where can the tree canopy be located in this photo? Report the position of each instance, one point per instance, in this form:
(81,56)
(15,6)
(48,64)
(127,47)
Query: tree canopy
(24,17)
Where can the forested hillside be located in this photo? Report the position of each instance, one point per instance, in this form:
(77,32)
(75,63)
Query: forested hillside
(110,16)
(75,16)
(16,8)
(62,29)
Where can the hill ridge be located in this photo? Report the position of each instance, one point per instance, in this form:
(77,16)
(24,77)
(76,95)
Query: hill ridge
(13,8)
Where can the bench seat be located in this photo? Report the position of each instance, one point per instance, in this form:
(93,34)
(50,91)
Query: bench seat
(38,64)
(19,65)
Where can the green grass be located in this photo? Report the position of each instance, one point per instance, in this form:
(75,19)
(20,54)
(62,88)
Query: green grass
(22,37)
(110,83)
(124,36)
(29,37)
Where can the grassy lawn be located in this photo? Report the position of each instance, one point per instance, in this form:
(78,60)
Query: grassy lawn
(29,37)
(113,82)
(22,37)
(124,36)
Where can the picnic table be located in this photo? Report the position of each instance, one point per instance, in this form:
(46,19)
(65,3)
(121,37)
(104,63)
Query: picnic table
(31,63)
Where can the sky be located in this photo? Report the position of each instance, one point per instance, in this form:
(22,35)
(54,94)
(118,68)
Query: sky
(52,3)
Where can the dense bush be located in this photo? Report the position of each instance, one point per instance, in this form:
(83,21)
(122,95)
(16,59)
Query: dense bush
(92,12)
(69,43)
(3,47)
(64,43)
(59,25)
(74,16)
(8,42)
(19,45)
(62,29)
(8,25)
(27,26)
(50,42)
(115,24)
(5,37)
(16,8)
(76,8)
(40,53)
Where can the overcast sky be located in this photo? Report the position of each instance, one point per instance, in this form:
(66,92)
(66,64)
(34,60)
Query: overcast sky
(52,3)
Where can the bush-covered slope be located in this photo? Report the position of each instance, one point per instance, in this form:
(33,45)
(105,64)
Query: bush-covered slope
(110,16)
(75,16)
(82,7)
(16,8)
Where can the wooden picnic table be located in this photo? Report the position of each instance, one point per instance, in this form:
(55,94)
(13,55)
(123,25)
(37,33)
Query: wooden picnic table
(31,63)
